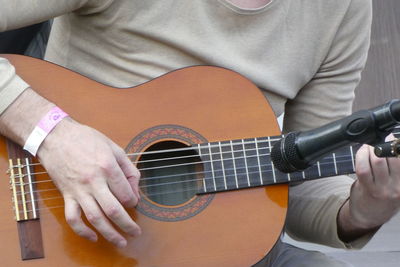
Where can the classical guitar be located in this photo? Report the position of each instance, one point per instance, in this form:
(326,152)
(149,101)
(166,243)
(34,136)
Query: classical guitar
(201,137)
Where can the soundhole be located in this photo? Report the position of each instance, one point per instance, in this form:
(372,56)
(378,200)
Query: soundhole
(170,173)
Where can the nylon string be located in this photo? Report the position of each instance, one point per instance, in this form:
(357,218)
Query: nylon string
(193,148)
(180,165)
(154,194)
(219,145)
(164,192)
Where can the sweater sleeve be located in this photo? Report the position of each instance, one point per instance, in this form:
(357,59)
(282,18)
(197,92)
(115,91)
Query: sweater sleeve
(11,85)
(314,205)
(19,13)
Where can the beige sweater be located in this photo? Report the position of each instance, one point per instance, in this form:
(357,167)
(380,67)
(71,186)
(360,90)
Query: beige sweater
(306,55)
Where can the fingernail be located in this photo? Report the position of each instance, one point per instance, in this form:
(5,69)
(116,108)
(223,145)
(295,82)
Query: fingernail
(122,244)
(93,238)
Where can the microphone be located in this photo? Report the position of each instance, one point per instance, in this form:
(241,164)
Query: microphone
(299,150)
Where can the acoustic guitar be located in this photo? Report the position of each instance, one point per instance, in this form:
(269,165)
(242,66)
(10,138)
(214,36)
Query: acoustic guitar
(201,137)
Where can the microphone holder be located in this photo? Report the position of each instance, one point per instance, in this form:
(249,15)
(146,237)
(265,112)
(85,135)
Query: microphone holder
(298,150)
(388,149)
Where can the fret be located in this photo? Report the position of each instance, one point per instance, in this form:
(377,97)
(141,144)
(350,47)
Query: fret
(222,163)
(334,162)
(240,164)
(352,158)
(252,160)
(312,172)
(279,177)
(327,166)
(204,178)
(228,168)
(216,167)
(258,161)
(296,176)
(212,167)
(234,165)
(344,161)
(319,168)
(265,161)
(331,165)
(272,164)
(245,163)
(207,168)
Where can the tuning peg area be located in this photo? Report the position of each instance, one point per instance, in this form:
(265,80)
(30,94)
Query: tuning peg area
(388,149)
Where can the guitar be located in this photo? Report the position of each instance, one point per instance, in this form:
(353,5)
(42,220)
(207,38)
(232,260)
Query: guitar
(204,174)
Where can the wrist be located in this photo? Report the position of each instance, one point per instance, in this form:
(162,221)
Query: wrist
(47,123)
(350,226)
(21,117)
(53,139)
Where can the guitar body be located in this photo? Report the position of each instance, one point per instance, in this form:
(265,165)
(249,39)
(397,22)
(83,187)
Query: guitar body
(184,107)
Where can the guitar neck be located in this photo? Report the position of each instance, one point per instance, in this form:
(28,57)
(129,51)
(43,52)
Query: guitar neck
(246,163)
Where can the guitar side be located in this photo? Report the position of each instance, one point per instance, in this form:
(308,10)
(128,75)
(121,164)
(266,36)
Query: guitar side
(236,228)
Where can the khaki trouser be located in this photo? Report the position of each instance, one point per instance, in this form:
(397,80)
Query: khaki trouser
(285,255)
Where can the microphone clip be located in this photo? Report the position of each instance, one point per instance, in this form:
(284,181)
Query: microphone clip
(388,149)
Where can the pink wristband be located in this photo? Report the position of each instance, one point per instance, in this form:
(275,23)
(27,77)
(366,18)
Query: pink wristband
(43,128)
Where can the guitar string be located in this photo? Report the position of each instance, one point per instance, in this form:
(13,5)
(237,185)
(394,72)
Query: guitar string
(169,166)
(194,147)
(191,148)
(48,208)
(200,179)
(179,165)
(174,158)
(257,140)
(186,181)
(164,151)
(192,173)
(154,194)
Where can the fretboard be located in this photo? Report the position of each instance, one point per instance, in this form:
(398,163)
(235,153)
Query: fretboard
(246,163)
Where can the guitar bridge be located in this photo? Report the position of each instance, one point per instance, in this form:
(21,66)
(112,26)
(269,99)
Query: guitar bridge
(23,196)
(25,202)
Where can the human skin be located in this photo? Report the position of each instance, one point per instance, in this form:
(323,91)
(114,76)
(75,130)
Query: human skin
(93,173)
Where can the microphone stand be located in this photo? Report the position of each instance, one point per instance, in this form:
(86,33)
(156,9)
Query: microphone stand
(298,150)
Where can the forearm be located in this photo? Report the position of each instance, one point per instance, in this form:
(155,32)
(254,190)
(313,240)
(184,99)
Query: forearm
(374,196)
(349,229)
(21,117)
(92,173)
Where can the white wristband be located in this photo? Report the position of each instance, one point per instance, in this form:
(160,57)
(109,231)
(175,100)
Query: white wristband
(44,127)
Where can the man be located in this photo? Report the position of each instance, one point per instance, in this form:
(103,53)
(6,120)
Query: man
(305,55)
